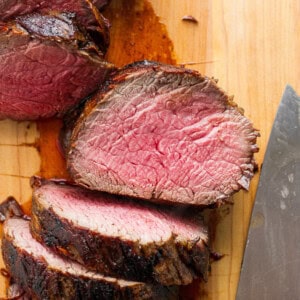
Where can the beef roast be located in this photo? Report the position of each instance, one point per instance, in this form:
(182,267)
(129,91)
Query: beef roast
(45,275)
(119,237)
(46,66)
(85,11)
(163,133)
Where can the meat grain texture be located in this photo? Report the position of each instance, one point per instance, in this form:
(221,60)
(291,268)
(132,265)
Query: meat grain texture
(47,65)
(165,134)
(120,237)
(44,275)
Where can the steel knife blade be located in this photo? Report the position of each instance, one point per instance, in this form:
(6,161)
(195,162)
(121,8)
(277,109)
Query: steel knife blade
(271,264)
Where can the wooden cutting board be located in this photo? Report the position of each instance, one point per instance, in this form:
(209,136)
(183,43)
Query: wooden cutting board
(250,46)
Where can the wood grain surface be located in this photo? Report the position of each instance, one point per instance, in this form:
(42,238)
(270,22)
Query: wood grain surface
(252,48)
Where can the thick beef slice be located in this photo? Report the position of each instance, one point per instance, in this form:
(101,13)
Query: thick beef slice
(118,236)
(45,275)
(163,133)
(47,65)
(85,12)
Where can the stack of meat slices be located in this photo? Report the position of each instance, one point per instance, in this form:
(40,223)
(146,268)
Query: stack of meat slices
(42,273)
(102,246)
(120,237)
(154,134)
(152,142)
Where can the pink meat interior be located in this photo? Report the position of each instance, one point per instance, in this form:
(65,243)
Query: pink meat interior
(114,217)
(41,79)
(18,231)
(176,142)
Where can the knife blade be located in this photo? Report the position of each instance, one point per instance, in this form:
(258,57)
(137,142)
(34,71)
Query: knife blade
(271,264)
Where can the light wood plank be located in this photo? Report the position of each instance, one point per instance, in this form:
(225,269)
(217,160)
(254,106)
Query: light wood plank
(19,160)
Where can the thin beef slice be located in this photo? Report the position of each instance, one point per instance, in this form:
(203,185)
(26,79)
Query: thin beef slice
(120,237)
(163,133)
(44,275)
(47,65)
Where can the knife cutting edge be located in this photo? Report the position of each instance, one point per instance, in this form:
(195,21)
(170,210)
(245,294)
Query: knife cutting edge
(271,265)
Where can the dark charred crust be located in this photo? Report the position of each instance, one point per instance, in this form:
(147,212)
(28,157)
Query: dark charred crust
(84,13)
(10,208)
(61,27)
(39,281)
(54,24)
(140,64)
(146,65)
(196,257)
(37,181)
(69,122)
(96,253)
(101,4)
(99,32)
(112,256)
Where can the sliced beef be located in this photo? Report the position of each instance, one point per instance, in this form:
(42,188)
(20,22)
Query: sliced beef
(44,275)
(118,236)
(163,133)
(86,14)
(47,65)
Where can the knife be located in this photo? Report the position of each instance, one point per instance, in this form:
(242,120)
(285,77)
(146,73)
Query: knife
(271,264)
